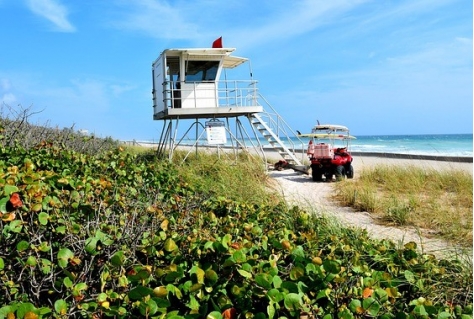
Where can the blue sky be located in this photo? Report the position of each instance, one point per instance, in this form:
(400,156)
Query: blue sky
(377,66)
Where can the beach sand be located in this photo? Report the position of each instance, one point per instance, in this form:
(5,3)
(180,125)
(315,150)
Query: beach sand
(299,189)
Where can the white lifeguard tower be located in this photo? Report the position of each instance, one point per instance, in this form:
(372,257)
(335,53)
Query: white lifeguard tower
(193,84)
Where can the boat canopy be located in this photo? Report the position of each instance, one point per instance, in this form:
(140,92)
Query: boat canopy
(329,128)
(329,131)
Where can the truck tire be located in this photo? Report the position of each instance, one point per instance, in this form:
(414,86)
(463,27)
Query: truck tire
(340,173)
(350,171)
(317,174)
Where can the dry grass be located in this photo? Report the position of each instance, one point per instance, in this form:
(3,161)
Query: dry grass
(437,202)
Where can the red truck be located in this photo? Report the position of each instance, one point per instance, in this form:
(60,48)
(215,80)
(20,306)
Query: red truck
(328,152)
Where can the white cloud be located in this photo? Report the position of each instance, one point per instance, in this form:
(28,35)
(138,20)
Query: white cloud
(5,84)
(157,19)
(9,99)
(53,11)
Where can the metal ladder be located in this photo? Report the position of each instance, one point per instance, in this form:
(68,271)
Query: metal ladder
(267,130)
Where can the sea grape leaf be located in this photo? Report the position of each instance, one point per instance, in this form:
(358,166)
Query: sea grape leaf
(118,258)
(331,266)
(264,280)
(3,204)
(275,295)
(292,301)
(212,315)
(211,276)
(239,256)
(64,255)
(9,189)
(67,282)
(60,306)
(43,218)
(199,275)
(139,292)
(244,273)
(91,245)
(170,245)
(22,245)
(356,306)
(371,305)
(148,308)
(296,273)
(24,308)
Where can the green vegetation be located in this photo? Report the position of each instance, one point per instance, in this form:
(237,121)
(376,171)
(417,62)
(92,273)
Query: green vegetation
(428,199)
(123,234)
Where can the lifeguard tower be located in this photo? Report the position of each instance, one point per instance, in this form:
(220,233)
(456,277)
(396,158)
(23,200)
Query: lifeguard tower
(193,84)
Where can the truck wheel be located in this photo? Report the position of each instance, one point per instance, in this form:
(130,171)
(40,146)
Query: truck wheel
(317,174)
(340,173)
(350,171)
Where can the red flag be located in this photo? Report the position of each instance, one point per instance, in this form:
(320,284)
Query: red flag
(217,43)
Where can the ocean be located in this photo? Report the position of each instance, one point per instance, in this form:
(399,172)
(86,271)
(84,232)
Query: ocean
(439,145)
(436,145)
(458,145)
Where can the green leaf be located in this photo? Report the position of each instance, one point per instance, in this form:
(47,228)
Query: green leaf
(239,256)
(80,286)
(420,310)
(214,315)
(2,263)
(15,226)
(226,241)
(264,280)
(24,308)
(444,315)
(139,292)
(67,282)
(193,304)
(296,273)
(211,276)
(31,261)
(22,245)
(44,247)
(91,245)
(43,218)
(292,302)
(60,306)
(199,274)
(409,276)
(63,257)
(148,308)
(271,310)
(332,266)
(371,305)
(3,204)
(381,295)
(244,273)
(277,281)
(9,189)
(118,259)
(355,306)
(298,252)
(275,295)
(170,245)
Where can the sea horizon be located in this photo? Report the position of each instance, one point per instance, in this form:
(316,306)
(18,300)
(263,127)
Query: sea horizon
(433,145)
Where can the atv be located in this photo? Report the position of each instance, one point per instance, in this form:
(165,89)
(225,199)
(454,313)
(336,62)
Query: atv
(329,154)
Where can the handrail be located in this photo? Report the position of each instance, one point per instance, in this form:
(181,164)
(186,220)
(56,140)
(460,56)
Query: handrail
(227,93)
(282,128)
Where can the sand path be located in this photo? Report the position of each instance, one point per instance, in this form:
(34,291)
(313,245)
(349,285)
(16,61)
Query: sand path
(299,189)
